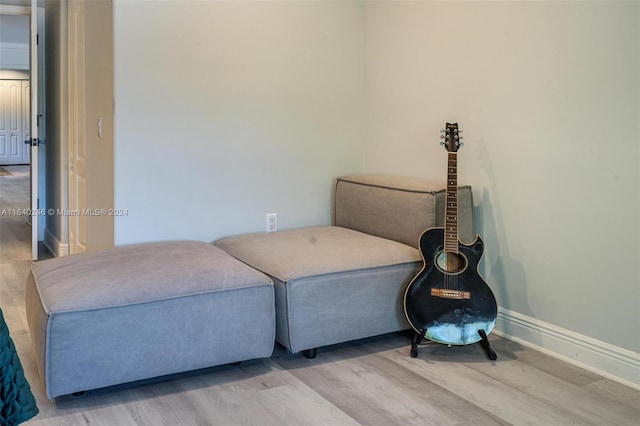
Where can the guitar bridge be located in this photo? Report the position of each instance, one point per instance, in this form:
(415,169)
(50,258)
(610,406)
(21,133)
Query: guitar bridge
(450,294)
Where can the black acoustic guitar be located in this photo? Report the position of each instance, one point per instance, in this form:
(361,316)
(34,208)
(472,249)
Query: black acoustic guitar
(448,301)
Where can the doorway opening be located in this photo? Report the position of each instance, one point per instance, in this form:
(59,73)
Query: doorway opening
(18,46)
(15,94)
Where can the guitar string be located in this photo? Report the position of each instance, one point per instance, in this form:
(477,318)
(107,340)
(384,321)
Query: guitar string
(450,178)
(451,258)
(453,167)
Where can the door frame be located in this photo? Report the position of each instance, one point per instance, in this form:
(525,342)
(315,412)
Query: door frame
(37,193)
(76,127)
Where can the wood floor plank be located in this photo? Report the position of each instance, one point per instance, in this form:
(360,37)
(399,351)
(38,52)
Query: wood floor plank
(374,390)
(258,393)
(543,362)
(288,404)
(76,419)
(507,402)
(618,393)
(556,390)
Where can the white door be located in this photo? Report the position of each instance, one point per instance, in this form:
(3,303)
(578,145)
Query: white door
(33,66)
(11,122)
(26,121)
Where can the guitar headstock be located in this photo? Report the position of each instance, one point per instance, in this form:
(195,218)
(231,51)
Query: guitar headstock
(450,137)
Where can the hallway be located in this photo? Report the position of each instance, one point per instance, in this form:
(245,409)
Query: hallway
(15,232)
(15,242)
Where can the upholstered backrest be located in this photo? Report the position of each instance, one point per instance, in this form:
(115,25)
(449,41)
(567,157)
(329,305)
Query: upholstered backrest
(398,208)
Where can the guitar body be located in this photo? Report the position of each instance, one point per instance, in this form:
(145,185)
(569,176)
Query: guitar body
(448,301)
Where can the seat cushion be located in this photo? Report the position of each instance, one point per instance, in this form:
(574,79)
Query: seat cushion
(307,252)
(139,273)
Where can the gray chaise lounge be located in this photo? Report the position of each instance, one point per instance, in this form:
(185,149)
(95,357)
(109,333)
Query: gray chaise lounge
(148,310)
(339,283)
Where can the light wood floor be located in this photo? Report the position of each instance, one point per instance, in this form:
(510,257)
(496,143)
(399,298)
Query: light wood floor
(367,382)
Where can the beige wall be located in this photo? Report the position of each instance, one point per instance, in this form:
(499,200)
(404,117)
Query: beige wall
(14,42)
(227,111)
(547,95)
(99,105)
(57,232)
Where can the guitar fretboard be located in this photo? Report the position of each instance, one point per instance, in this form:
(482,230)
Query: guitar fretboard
(451,208)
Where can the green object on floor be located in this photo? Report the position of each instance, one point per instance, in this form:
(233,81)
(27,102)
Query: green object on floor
(17,403)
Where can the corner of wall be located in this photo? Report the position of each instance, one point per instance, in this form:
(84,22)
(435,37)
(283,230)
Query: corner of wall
(57,248)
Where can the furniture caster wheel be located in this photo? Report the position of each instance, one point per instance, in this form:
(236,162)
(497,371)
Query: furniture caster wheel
(310,353)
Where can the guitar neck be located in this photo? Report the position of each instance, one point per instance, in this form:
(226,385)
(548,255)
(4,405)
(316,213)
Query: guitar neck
(451,208)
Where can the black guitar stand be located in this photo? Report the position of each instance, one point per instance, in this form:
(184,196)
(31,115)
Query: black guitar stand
(415,341)
(487,346)
(419,336)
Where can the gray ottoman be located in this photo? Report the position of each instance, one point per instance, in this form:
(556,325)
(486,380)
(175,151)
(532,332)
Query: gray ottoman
(344,282)
(332,284)
(144,311)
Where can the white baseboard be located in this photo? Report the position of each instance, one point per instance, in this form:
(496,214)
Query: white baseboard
(612,362)
(54,245)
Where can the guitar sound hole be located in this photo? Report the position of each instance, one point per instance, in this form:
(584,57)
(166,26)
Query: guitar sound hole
(452,263)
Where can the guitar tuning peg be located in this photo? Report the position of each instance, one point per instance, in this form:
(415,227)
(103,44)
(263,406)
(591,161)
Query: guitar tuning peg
(441,130)
(460,144)
(442,143)
(441,136)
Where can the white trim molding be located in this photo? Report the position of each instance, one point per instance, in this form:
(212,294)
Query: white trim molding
(54,245)
(612,362)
